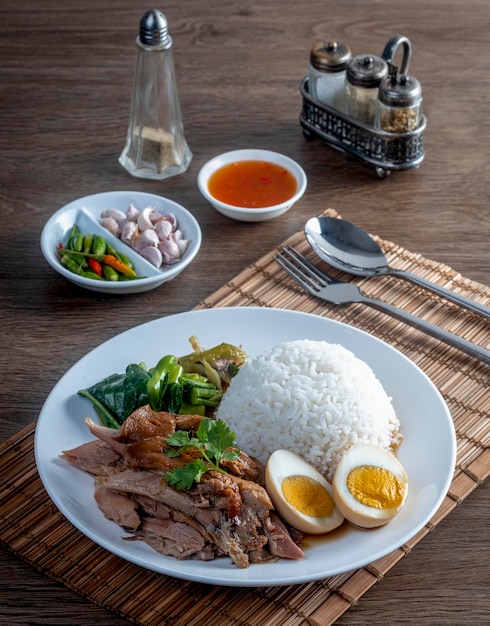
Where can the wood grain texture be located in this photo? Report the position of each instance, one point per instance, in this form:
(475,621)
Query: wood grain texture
(65,73)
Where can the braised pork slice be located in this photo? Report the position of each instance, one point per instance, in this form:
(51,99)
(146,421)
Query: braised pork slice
(96,457)
(225,514)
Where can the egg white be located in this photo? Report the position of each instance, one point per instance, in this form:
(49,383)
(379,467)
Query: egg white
(283,463)
(356,512)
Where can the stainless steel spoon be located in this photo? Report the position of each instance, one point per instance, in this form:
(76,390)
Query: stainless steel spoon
(347,247)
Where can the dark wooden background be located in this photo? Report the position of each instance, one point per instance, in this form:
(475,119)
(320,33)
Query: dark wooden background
(66,70)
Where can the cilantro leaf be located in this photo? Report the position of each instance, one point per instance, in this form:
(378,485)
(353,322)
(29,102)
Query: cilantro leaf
(213,441)
(220,437)
(181,440)
(184,477)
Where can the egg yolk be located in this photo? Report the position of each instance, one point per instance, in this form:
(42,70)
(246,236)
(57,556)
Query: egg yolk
(375,487)
(307,496)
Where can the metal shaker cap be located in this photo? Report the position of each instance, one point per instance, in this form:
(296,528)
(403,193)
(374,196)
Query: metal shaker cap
(399,90)
(154,29)
(331,56)
(367,70)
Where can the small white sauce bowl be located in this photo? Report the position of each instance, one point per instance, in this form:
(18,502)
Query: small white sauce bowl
(86,213)
(251,214)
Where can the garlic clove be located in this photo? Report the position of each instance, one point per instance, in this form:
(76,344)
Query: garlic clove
(183,244)
(128,232)
(170,251)
(111,225)
(150,237)
(155,216)
(170,217)
(115,214)
(153,255)
(163,229)
(144,220)
(132,213)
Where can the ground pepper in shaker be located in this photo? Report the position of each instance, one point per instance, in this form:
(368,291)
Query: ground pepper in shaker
(398,107)
(155,145)
(326,73)
(399,95)
(364,75)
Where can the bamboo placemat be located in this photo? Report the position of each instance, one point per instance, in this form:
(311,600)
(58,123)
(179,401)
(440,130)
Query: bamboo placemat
(33,528)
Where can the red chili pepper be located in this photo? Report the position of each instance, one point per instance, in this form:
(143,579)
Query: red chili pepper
(95,266)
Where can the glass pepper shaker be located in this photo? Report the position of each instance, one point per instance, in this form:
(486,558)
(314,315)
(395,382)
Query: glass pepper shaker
(155,145)
(399,103)
(398,108)
(326,73)
(364,75)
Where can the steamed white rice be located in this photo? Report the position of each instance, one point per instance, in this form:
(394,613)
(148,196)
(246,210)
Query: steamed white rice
(312,397)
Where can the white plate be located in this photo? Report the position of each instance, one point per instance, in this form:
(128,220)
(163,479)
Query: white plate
(428,451)
(86,213)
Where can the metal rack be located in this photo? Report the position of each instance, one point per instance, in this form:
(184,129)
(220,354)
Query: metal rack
(380,149)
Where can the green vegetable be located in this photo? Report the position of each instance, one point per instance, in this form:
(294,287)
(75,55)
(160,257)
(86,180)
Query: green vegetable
(110,273)
(221,351)
(165,387)
(188,409)
(111,250)
(99,246)
(203,362)
(118,395)
(77,243)
(87,243)
(71,264)
(124,259)
(206,395)
(213,440)
(157,384)
(72,237)
(175,389)
(80,250)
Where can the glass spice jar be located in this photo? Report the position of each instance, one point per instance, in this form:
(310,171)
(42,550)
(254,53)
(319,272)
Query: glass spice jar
(155,144)
(326,73)
(399,95)
(399,103)
(364,75)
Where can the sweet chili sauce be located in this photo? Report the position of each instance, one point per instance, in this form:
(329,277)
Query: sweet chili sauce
(252,184)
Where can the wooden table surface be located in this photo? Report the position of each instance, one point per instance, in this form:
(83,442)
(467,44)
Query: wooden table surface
(66,70)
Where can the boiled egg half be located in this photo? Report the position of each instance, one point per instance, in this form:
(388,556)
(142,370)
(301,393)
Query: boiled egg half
(300,494)
(370,486)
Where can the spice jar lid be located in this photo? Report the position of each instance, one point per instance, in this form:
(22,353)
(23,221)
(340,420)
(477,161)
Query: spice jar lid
(366,70)
(331,56)
(400,90)
(154,29)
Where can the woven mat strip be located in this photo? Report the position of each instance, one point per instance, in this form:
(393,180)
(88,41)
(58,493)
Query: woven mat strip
(33,528)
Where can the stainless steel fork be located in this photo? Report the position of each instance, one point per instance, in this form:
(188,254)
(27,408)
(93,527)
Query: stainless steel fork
(323,286)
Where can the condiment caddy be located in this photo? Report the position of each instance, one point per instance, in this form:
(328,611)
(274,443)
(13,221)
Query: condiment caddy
(365,105)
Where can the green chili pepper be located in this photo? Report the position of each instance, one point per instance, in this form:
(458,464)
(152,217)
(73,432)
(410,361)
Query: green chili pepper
(77,243)
(99,246)
(71,253)
(157,384)
(111,250)
(87,243)
(93,275)
(72,236)
(110,273)
(126,260)
(70,264)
